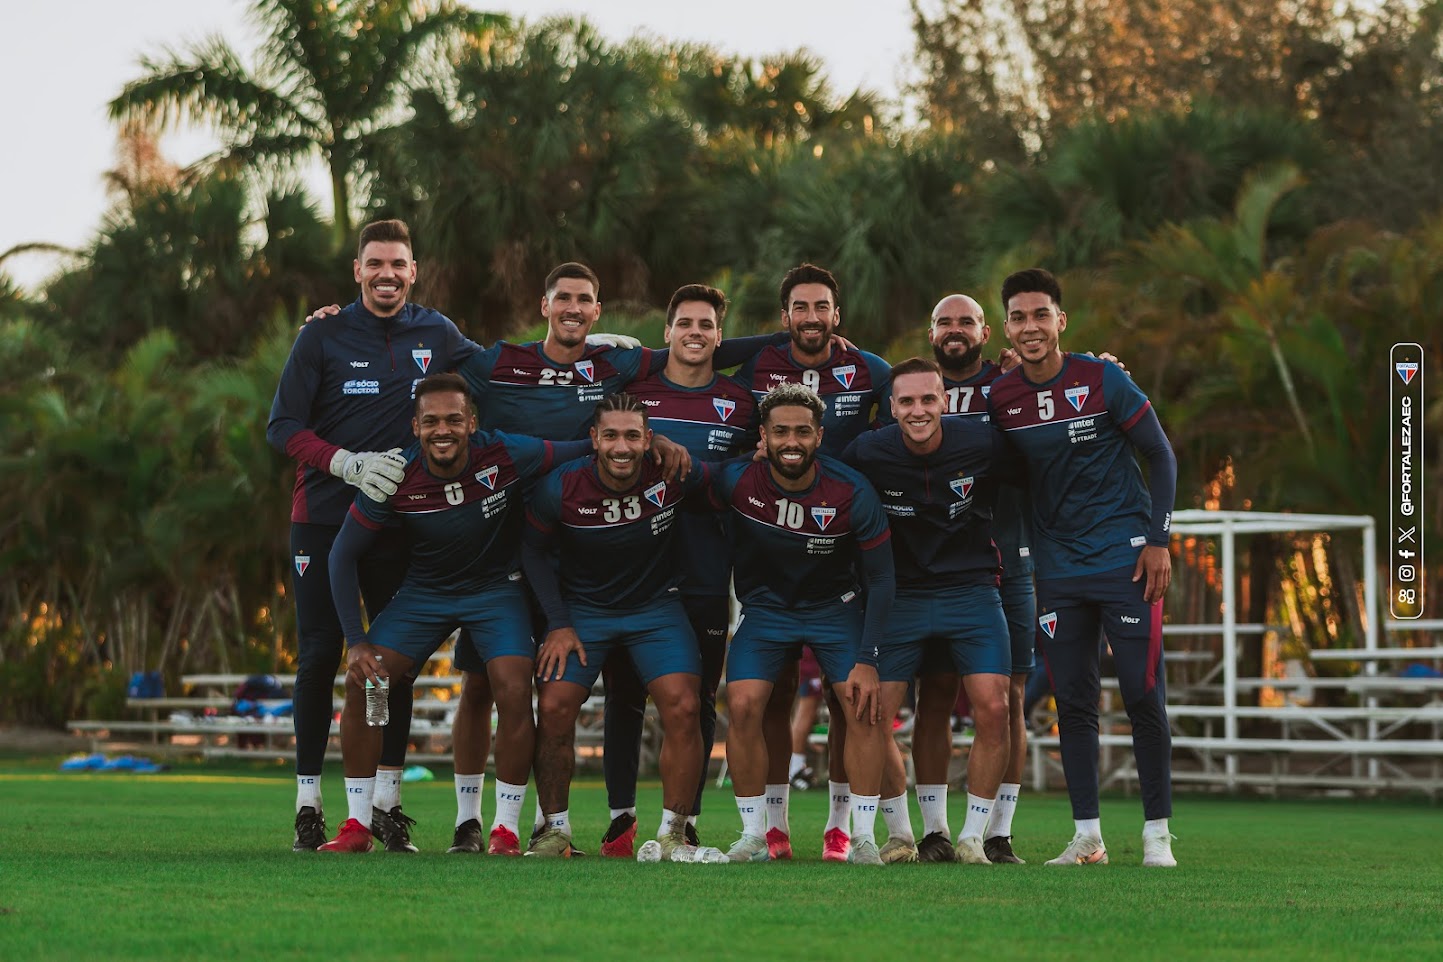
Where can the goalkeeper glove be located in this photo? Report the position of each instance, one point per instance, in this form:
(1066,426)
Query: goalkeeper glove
(376,473)
(612,340)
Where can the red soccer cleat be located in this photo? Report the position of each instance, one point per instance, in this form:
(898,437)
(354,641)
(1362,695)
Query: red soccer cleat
(620,840)
(779,844)
(836,845)
(353,837)
(503,842)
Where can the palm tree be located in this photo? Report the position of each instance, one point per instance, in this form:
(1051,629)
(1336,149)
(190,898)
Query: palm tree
(331,73)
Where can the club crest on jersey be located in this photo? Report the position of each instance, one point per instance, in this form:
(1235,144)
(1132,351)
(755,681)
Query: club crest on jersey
(823,516)
(487,476)
(1049,623)
(1406,370)
(961,486)
(422,357)
(1077,396)
(656,494)
(845,374)
(587,370)
(303,561)
(986,390)
(725,407)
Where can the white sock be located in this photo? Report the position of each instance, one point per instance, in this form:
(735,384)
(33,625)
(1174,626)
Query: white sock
(1155,826)
(932,800)
(508,806)
(864,816)
(898,819)
(468,798)
(308,792)
(777,798)
(618,812)
(1091,827)
(799,762)
(1002,810)
(753,810)
(388,789)
(691,820)
(978,809)
(540,822)
(841,812)
(360,793)
(561,821)
(667,817)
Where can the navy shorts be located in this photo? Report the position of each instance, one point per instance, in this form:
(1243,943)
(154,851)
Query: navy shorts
(415,623)
(952,630)
(1019,605)
(657,637)
(767,639)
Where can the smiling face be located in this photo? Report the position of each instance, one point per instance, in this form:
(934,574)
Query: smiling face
(444,423)
(793,438)
(810,318)
(918,403)
(1035,326)
(571,309)
(694,334)
(385,272)
(621,440)
(958,332)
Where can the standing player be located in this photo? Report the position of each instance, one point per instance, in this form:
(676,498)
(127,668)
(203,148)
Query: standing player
(612,520)
(343,402)
(459,504)
(852,384)
(1101,540)
(938,481)
(802,526)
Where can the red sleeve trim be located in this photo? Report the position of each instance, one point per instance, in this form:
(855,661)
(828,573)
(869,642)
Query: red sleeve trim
(1146,406)
(364,521)
(309,448)
(537,525)
(882,538)
(548,457)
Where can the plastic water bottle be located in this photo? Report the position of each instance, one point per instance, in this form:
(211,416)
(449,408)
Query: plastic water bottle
(378,702)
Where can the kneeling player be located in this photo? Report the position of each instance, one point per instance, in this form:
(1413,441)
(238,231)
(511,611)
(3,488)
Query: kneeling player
(802,523)
(459,505)
(612,520)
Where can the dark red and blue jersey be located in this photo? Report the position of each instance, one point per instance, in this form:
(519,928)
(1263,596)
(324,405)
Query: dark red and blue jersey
(614,549)
(464,532)
(1091,511)
(714,423)
(850,383)
(939,505)
(348,384)
(1011,516)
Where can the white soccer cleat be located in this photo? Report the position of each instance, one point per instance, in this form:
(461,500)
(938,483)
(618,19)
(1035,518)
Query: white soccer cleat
(649,852)
(1082,850)
(969,851)
(748,848)
(864,852)
(899,850)
(1157,850)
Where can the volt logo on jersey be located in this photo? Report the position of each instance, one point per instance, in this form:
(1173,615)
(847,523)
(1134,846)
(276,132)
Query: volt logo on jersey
(961,486)
(656,494)
(823,516)
(303,561)
(845,374)
(1049,623)
(1077,396)
(1406,370)
(587,370)
(422,357)
(725,407)
(487,476)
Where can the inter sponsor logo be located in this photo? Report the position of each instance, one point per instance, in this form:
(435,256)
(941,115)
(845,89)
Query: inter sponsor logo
(725,407)
(961,486)
(823,516)
(587,370)
(845,374)
(656,494)
(422,357)
(1049,623)
(487,476)
(1077,396)
(303,561)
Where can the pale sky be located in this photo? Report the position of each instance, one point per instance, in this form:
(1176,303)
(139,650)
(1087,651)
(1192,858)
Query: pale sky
(64,61)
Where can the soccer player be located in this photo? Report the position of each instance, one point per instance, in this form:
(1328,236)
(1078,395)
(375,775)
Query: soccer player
(958,333)
(612,520)
(1100,546)
(938,480)
(802,526)
(713,417)
(459,504)
(341,411)
(852,384)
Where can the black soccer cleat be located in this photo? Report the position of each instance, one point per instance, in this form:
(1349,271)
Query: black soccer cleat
(805,779)
(998,850)
(393,829)
(936,847)
(467,840)
(692,838)
(310,830)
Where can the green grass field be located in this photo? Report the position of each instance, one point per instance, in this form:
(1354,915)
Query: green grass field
(196,864)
